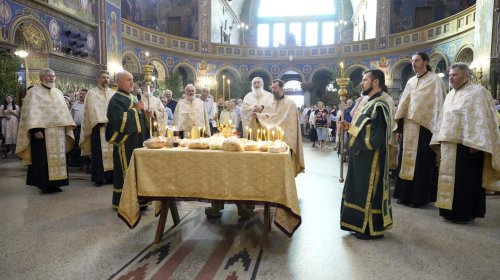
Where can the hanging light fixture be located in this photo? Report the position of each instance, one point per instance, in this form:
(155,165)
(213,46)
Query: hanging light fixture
(22,50)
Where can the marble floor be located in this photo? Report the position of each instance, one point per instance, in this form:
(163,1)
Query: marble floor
(76,234)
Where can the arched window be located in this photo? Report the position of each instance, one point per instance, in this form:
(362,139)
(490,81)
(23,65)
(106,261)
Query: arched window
(296,23)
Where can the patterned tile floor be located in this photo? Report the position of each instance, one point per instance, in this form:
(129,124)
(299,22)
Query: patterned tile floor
(76,235)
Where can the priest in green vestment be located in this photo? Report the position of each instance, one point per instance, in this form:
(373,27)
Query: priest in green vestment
(366,208)
(124,130)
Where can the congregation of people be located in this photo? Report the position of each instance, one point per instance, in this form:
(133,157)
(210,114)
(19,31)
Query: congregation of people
(442,147)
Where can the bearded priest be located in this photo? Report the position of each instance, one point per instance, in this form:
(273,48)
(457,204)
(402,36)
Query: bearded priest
(254,102)
(283,113)
(45,135)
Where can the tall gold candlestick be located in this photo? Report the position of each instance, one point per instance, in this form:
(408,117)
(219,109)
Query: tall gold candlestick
(229,90)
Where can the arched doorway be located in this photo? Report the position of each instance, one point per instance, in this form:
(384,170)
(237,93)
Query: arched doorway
(31,38)
(466,55)
(401,73)
(356,76)
(230,84)
(319,92)
(131,63)
(293,89)
(186,74)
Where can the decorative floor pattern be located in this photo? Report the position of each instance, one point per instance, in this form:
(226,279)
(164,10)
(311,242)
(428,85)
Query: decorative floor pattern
(199,248)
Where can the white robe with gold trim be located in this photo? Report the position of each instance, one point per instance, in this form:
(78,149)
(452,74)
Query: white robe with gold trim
(250,101)
(45,108)
(468,118)
(189,114)
(94,112)
(284,113)
(420,105)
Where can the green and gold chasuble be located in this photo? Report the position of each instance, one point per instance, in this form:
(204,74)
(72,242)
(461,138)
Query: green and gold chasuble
(124,131)
(366,206)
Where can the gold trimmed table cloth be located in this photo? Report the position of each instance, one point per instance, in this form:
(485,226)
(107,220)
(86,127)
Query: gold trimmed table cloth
(212,175)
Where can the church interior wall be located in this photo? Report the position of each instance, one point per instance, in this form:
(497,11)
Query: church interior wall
(172,51)
(403,13)
(181,15)
(71,43)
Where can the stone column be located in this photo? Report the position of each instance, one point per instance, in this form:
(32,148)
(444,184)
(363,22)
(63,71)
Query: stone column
(204,14)
(383,23)
(483,39)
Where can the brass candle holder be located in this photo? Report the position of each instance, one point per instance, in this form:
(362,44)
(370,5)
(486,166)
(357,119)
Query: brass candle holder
(342,82)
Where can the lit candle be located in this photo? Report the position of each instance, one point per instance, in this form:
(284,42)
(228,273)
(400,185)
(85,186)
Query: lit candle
(282,135)
(199,132)
(250,131)
(223,90)
(258,134)
(216,102)
(268,135)
(246,129)
(273,135)
(229,90)
(342,69)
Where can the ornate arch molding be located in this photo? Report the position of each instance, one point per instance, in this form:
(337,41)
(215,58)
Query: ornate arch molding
(397,69)
(40,25)
(461,54)
(298,71)
(313,73)
(164,69)
(353,68)
(191,71)
(134,62)
(261,70)
(436,57)
(229,68)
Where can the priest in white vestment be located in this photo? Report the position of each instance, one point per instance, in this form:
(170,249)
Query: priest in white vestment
(190,113)
(155,111)
(283,113)
(45,135)
(254,102)
(468,138)
(92,135)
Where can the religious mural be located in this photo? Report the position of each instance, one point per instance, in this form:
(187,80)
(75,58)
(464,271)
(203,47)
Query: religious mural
(176,17)
(84,9)
(113,33)
(403,11)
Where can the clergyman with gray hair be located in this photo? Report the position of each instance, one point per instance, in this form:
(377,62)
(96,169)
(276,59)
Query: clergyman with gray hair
(191,113)
(124,130)
(45,128)
(469,142)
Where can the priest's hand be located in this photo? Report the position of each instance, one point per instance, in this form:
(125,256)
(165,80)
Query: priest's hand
(344,125)
(139,106)
(38,135)
(258,109)
(254,115)
(149,113)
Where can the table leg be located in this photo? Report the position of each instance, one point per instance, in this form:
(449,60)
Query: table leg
(161,222)
(267,226)
(174,212)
